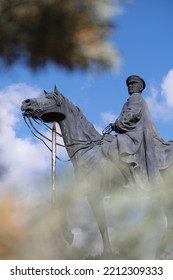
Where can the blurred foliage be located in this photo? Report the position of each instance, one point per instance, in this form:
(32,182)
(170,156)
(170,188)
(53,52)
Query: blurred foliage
(12,226)
(137,227)
(71,33)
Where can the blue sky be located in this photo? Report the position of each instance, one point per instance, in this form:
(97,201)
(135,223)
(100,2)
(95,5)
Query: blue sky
(145,43)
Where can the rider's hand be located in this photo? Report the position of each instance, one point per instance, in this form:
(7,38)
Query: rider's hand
(108,129)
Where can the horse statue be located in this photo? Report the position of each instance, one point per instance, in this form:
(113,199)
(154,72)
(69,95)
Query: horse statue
(91,153)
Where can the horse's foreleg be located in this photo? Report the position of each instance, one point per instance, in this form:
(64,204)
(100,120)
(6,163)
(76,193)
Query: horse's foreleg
(96,203)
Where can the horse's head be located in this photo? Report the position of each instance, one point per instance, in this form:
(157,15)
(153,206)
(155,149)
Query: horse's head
(78,134)
(47,108)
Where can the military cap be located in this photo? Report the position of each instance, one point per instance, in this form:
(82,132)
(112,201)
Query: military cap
(135,78)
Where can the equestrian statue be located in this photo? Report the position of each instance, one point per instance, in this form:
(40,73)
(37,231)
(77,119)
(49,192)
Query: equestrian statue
(135,156)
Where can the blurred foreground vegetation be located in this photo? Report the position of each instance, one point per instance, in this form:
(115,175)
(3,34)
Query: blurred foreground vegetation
(72,33)
(32,229)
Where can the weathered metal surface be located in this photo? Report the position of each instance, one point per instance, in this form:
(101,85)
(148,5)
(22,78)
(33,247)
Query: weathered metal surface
(109,161)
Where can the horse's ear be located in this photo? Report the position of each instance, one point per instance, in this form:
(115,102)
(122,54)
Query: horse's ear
(56,90)
(45,91)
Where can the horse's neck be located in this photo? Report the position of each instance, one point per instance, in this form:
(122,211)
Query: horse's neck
(78,134)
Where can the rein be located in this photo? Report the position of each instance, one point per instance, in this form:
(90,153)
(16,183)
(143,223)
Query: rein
(41,136)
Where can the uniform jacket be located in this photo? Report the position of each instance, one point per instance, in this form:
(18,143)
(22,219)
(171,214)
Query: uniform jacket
(139,142)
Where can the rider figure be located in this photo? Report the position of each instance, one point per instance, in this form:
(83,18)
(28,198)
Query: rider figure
(138,141)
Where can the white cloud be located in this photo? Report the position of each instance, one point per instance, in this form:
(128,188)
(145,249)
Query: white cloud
(161,101)
(108,117)
(167,88)
(156,106)
(22,159)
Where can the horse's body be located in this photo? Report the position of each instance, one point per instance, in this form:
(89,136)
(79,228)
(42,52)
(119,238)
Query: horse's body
(93,155)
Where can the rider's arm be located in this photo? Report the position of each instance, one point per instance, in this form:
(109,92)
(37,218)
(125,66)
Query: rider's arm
(130,115)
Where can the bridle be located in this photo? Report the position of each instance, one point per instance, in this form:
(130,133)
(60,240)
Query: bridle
(37,119)
(86,144)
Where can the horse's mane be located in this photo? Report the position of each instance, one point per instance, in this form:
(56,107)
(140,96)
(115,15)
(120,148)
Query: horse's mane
(88,127)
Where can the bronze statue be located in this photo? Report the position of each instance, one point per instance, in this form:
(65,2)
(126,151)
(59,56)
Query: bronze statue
(136,154)
(138,141)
